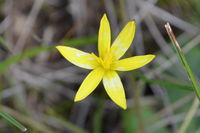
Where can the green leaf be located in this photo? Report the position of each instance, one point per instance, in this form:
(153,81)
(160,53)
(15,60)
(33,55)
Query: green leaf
(13,121)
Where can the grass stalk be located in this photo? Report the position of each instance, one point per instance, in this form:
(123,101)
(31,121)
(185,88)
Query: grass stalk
(25,119)
(14,122)
(183,59)
(191,77)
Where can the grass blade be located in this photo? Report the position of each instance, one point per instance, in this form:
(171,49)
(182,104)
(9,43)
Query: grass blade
(35,51)
(80,41)
(162,82)
(183,59)
(13,121)
(27,54)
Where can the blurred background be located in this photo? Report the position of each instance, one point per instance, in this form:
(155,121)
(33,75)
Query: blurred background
(37,85)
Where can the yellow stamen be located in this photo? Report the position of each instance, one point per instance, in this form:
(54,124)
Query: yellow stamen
(106,62)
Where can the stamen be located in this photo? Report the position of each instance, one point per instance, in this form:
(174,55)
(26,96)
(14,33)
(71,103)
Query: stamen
(105,63)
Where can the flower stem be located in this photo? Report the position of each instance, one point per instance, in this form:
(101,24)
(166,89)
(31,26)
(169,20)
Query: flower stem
(137,105)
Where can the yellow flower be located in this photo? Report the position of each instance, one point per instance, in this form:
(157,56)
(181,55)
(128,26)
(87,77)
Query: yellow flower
(105,66)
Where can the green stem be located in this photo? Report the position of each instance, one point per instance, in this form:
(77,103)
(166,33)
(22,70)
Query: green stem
(183,59)
(137,105)
(98,116)
(195,104)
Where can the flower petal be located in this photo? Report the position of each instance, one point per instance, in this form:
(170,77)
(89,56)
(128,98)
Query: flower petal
(123,40)
(132,63)
(114,88)
(77,57)
(104,37)
(89,84)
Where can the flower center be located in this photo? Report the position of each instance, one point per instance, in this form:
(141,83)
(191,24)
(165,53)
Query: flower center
(106,62)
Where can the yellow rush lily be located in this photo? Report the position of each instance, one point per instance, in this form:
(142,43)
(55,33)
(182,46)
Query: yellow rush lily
(105,66)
